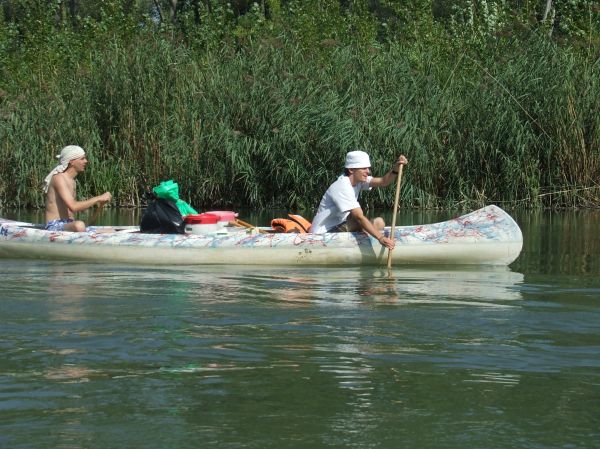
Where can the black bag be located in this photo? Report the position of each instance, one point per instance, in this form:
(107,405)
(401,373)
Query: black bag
(162,217)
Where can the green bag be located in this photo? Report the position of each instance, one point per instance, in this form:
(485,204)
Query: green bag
(185,208)
(169,190)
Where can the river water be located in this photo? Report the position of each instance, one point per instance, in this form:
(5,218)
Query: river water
(100,356)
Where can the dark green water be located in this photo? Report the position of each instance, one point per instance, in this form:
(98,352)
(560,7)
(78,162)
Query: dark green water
(98,356)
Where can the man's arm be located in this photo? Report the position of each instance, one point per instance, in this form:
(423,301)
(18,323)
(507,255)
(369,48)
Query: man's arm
(389,177)
(366,225)
(64,193)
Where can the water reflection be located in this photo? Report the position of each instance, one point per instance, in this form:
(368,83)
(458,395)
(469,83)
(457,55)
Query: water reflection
(494,377)
(353,286)
(67,284)
(66,288)
(563,242)
(236,354)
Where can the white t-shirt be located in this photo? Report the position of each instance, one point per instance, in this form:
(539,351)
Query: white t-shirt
(339,199)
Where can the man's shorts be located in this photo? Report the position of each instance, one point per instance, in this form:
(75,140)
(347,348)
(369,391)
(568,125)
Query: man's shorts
(57,225)
(342,227)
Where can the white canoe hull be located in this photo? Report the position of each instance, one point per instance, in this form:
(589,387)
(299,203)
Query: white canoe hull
(488,236)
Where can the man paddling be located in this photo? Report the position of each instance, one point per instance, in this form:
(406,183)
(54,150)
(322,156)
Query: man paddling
(340,211)
(60,189)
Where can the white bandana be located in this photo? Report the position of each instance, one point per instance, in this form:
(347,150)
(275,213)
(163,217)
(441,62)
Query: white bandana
(67,154)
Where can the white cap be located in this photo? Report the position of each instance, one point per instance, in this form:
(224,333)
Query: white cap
(357,159)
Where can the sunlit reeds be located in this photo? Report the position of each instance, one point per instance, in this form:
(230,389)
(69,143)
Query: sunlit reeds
(268,124)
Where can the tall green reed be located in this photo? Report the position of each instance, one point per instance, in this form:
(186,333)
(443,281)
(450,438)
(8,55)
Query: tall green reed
(268,124)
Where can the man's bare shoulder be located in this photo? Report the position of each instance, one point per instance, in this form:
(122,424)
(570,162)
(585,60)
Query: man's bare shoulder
(61,181)
(62,186)
(58,179)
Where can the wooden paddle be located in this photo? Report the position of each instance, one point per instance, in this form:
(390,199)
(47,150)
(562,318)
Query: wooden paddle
(96,215)
(243,224)
(396,201)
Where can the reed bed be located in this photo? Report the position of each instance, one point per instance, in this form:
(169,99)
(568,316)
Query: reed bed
(268,124)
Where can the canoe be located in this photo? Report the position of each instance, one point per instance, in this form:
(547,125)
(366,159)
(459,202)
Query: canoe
(488,236)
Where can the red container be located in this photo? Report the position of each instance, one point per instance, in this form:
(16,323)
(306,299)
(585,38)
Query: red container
(201,219)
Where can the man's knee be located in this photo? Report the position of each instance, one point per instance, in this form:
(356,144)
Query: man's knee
(379,223)
(79,226)
(75,226)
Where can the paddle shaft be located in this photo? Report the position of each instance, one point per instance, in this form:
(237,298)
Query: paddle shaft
(396,201)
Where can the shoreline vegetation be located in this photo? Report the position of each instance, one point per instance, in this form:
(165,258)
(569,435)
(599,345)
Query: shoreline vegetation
(254,104)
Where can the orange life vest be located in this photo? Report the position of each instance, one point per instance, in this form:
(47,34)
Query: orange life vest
(297,224)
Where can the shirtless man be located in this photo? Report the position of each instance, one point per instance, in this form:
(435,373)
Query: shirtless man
(60,188)
(340,211)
